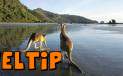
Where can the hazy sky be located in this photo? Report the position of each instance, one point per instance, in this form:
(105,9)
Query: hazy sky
(93,9)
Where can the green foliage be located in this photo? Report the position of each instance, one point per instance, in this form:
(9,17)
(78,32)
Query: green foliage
(14,11)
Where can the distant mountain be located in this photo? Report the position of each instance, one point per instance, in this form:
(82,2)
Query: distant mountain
(52,17)
(76,19)
(64,18)
(14,11)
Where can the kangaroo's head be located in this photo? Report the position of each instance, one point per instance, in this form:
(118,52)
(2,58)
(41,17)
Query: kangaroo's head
(63,27)
(44,34)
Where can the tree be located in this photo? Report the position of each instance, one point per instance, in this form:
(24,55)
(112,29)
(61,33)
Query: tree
(102,22)
(110,22)
(113,21)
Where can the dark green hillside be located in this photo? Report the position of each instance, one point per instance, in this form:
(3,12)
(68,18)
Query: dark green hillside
(65,18)
(14,11)
(76,19)
(51,16)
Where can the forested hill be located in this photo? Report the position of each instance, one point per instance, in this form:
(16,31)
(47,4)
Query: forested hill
(14,11)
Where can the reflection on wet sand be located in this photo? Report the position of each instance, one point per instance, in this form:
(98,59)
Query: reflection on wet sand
(62,70)
(12,37)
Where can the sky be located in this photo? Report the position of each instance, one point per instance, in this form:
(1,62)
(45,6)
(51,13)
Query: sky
(100,10)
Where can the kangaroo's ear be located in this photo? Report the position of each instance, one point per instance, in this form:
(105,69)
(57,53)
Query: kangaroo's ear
(61,25)
(64,26)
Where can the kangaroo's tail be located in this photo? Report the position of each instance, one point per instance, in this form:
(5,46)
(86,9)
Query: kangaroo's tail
(76,66)
(29,44)
(30,41)
(70,52)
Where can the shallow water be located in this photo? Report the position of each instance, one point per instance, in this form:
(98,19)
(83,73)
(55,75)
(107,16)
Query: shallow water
(98,49)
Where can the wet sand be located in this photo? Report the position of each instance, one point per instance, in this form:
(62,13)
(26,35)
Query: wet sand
(98,50)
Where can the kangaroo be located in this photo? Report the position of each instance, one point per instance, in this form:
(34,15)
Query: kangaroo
(66,44)
(37,37)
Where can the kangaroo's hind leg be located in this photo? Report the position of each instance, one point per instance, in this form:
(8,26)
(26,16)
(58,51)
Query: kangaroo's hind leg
(69,53)
(40,47)
(35,45)
(64,56)
(45,44)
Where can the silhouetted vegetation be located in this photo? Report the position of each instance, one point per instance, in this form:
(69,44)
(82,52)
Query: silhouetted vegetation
(102,22)
(113,21)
